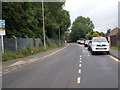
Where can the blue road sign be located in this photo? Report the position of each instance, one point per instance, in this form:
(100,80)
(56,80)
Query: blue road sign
(2,22)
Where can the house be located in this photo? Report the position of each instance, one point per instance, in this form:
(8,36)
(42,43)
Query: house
(114,32)
(115,37)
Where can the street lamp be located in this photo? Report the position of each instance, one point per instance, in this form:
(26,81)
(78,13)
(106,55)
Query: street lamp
(43,26)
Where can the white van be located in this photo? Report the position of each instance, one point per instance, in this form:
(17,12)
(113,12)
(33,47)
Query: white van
(99,44)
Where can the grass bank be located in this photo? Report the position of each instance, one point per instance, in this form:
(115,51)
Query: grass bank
(9,55)
(115,47)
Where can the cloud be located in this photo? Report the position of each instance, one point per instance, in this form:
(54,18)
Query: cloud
(103,13)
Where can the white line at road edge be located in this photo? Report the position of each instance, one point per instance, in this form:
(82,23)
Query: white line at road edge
(113,58)
(17,63)
(78,80)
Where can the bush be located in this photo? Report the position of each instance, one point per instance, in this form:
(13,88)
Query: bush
(9,55)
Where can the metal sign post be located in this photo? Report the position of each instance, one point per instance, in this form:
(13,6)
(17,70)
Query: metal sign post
(2,48)
(2,32)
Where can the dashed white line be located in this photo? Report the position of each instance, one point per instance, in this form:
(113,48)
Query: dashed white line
(80,65)
(80,61)
(79,71)
(80,58)
(78,80)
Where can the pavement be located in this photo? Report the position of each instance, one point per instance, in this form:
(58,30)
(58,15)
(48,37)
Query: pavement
(115,53)
(71,66)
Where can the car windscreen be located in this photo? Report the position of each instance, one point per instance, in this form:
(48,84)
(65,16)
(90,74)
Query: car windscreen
(99,39)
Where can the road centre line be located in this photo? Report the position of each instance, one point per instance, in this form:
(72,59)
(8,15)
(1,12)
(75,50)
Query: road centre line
(79,71)
(78,80)
(80,58)
(80,65)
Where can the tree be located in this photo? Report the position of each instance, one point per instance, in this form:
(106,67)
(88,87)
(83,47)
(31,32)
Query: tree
(108,32)
(95,34)
(88,36)
(25,19)
(80,27)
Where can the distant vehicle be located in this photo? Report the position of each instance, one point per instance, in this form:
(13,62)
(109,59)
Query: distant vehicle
(82,42)
(78,41)
(99,44)
(86,43)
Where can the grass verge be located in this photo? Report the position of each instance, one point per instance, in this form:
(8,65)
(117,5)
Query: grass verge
(115,47)
(9,55)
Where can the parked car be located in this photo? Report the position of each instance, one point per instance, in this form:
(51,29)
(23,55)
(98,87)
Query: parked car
(82,42)
(78,41)
(86,44)
(99,44)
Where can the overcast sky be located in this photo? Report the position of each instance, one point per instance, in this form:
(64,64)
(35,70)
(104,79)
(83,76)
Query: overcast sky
(103,13)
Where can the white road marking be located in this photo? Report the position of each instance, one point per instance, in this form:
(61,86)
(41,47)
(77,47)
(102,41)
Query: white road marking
(113,58)
(32,60)
(80,65)
(80,61)
(79,71)
(17,63)
(78,80)
(6,70)
(13,69)
(80,58)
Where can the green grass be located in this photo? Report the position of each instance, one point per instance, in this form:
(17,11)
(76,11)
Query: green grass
(115,47)
(9,55)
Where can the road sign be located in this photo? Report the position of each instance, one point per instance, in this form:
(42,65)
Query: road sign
(2,27)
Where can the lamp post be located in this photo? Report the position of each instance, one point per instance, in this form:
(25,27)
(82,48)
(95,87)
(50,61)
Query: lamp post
(43,26)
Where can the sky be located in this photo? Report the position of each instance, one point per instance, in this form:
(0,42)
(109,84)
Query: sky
(103,13)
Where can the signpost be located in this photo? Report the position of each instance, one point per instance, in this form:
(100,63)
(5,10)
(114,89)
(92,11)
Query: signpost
(2,32)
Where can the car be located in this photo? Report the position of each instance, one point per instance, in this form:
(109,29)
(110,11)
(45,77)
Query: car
(86,44)
(99,44)
(82,42)
(78,41)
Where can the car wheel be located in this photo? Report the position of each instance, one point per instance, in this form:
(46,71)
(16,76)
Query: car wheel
(108,52)
(93,53)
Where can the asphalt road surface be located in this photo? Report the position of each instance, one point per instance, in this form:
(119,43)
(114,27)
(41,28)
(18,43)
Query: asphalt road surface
(72,67)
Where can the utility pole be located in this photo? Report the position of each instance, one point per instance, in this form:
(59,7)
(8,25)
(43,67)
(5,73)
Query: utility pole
(59,37)
(43,25)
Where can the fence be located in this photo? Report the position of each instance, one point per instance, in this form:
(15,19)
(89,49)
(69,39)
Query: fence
(13,44)
(115,40)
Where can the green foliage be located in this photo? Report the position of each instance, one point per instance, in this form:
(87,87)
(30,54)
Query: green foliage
(9,55)
(108,32)
(115,47)
(80,27)
(25,19)
(88,36)
(95,34)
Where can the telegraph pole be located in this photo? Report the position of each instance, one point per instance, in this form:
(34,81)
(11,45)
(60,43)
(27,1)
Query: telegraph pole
(43,25)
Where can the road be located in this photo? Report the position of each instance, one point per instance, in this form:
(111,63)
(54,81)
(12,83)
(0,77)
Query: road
(72,67)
